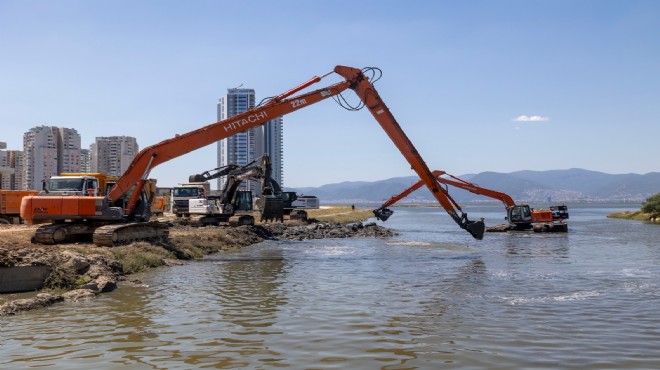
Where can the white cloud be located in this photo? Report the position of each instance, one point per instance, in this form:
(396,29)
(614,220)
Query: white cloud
(525,118)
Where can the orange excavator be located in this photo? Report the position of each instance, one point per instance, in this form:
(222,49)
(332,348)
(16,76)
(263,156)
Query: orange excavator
(122,216)
(519,216)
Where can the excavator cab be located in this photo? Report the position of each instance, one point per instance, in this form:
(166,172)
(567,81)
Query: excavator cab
(520,215)
(243,201)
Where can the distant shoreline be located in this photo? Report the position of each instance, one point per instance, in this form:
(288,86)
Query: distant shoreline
(635,216)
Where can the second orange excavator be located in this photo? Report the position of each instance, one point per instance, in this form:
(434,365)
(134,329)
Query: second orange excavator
(519,216)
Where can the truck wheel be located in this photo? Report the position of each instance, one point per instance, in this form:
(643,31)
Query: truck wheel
(4,222)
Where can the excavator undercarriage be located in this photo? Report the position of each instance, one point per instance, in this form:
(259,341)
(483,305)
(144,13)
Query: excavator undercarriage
(107,235)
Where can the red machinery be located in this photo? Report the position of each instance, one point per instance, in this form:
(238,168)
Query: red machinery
(520,216)
(122,216)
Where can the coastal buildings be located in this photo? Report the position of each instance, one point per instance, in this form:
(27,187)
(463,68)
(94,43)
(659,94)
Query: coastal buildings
(85,160)
(112,154)
(48,151)
(11,165)
(245,147)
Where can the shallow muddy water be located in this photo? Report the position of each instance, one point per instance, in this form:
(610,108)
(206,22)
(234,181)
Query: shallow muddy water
(429,298)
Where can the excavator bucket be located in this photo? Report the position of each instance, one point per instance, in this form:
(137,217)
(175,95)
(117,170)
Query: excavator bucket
(383,213)
(476,229)
(271,207)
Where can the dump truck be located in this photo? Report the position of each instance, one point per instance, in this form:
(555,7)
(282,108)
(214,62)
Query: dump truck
(10,205)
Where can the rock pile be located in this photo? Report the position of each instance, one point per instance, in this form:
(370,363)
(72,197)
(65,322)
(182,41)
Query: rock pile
(327,230)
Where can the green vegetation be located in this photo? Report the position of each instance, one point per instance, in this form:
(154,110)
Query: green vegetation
(628,215)
(650,211)
(652,206)
(140,256)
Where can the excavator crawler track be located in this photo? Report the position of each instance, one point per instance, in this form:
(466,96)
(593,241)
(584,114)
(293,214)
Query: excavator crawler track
(61,232)
(113,235)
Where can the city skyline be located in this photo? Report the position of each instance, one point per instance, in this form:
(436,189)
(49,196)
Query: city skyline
(51,150)
(479,86)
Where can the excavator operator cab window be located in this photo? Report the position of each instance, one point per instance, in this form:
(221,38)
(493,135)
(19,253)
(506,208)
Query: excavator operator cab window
(243,201)
(520,214)
(515,214)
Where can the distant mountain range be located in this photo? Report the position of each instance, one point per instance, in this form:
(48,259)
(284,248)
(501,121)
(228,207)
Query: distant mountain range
(572,185)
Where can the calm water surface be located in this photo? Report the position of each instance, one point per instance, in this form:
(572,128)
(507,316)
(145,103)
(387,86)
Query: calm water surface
(430,298)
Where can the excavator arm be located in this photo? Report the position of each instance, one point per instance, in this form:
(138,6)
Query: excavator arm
(213,174)
(383,213)
(236,177)
(152,156)
(369,96)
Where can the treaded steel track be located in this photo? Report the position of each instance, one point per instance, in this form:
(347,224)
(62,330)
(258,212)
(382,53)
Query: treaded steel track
(112,235)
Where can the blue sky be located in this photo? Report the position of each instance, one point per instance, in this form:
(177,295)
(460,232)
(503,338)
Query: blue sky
(477,85)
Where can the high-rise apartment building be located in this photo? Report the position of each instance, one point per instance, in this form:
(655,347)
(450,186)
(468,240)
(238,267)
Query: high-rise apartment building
(245,147)
(113,154)
(10,168)
(49,151)
(85,160)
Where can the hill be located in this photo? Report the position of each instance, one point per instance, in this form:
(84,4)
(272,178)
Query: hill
(569,185)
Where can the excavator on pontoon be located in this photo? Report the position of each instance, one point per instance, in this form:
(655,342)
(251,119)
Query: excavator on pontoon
(519,216)
(123,215)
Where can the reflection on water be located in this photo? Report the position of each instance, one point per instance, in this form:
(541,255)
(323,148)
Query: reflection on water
(430,297)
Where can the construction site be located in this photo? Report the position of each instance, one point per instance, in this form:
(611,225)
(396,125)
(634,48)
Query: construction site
(58,237)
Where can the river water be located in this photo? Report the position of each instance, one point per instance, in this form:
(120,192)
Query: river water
(429,298)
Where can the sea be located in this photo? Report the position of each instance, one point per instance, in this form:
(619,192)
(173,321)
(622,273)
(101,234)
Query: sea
(431,297)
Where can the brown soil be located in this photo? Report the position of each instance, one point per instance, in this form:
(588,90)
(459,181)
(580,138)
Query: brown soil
(83,270)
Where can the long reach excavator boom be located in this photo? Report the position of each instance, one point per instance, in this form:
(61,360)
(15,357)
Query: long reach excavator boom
(519,216)
(383,213)
(121,216)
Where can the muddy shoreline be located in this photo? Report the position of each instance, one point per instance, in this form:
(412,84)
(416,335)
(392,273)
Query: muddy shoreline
(83,270)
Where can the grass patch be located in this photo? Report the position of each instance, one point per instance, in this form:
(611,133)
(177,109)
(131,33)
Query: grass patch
(341,214)
(634,215)
(140,256)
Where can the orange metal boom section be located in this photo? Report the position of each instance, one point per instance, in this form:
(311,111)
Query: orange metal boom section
(459,183)
(368,94)
(162,152)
